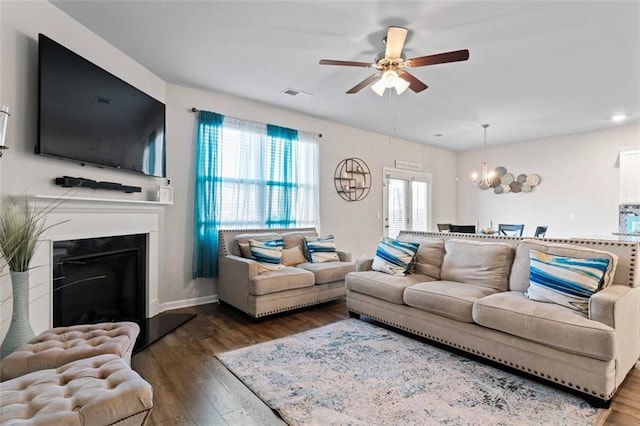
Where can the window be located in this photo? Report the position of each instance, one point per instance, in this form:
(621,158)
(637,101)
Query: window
(250,175)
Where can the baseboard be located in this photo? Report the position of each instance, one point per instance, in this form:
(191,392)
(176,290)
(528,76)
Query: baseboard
(185,303)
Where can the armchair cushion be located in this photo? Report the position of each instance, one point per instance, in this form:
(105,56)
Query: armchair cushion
(286,278)
(321,249)
(293,256)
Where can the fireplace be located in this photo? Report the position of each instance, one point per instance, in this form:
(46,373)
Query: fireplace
(89,223)
(99,280)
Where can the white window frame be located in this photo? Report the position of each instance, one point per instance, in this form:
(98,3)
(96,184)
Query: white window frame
(393,173)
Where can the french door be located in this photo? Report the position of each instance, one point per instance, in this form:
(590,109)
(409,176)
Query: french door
(407,201)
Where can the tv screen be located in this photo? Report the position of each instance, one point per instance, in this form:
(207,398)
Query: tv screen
(91,116)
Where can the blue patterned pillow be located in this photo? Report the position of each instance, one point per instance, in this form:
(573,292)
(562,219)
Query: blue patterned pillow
(394,257)
(266,251)
(321,249)
(566,281)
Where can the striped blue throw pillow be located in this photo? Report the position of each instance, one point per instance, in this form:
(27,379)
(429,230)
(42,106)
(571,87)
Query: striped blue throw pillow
(321,249)
(266,251)
(566,281)
(394,257)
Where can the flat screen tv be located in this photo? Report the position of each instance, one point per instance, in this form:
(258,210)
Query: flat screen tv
(87,115)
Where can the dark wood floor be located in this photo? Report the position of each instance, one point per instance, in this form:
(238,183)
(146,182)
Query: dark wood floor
(191,387)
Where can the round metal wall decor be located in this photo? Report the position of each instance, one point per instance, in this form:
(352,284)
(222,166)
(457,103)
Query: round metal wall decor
(352,179)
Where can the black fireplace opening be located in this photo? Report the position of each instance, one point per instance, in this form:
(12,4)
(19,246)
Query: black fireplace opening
(104,280)
(99,280)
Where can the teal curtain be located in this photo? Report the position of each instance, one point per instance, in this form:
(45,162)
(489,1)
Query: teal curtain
(207,194)
(281,180)
(151,153)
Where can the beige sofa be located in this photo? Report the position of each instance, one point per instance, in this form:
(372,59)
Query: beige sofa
(467,292)
(258,294)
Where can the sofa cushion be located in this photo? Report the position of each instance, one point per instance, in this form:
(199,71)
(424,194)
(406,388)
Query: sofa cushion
(296,238)
(446,298)
(566,281)
(286,278)
(519,278)
(245,250)
(482,263)
(428,260)
(393,256)
(293,256)
(549,324)
(244,239)
(321,249)
(383,286)
(266,251)
(328,272)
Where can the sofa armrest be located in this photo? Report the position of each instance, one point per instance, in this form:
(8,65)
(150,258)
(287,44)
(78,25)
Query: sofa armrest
(234,274)
(344,256)
(618,306)
(615,305)
(364,264)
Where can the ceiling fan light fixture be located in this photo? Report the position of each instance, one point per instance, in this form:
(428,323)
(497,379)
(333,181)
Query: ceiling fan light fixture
(401,86)
(390,78)
(379,87)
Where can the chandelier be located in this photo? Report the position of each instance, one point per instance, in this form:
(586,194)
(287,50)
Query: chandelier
(487,176)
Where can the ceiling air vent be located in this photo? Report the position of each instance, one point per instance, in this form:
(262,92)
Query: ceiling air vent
(297,93)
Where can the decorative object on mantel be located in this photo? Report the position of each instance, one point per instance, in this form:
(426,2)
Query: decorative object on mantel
(504,182)
(487,176)
(352,179)
(21,228)
(4,119)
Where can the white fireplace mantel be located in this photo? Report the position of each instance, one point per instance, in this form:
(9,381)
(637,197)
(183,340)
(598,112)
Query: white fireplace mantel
(77,218)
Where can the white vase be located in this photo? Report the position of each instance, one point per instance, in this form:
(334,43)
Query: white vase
(20,331)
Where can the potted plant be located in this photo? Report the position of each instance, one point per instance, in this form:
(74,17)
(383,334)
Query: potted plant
(21,227)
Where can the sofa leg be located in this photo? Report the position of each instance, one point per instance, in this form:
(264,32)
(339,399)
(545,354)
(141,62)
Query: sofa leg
(354,315)
(596,402)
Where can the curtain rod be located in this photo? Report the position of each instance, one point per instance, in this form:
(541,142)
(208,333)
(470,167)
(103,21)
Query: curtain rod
(194,109)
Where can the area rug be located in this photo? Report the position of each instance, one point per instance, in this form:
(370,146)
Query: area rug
(357,373)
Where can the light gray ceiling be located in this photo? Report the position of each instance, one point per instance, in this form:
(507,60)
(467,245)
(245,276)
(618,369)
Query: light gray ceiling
(536,68)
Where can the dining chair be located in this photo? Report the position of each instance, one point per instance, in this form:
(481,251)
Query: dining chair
(540,231)
(510,230)
(443,227)
(464,229)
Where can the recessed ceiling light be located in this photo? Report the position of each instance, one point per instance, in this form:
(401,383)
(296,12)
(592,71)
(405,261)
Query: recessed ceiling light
(437,135)
(618,117)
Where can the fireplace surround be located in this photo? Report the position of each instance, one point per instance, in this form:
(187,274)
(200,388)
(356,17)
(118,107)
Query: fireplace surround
(79,218)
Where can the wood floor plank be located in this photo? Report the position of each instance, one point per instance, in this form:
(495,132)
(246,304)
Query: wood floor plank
(191,387)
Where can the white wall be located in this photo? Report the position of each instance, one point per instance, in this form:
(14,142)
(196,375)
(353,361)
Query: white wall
(355,224)
(580,176)
(22,172)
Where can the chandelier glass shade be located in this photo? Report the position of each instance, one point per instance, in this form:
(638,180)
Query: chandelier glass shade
(486,180)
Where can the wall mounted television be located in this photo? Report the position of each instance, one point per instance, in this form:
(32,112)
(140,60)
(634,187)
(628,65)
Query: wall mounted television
(87,115)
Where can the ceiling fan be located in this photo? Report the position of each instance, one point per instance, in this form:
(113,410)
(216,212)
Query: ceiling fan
(390,65)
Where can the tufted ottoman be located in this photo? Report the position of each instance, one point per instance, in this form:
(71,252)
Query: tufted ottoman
(101,390)
(58,346)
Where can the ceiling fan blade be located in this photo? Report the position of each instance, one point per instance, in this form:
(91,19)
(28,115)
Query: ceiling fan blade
(345,63)
(440,58)
(414,84)
(364,83)
(395,41)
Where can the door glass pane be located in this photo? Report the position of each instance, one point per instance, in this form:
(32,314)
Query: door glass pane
(419,205)
(397,213)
